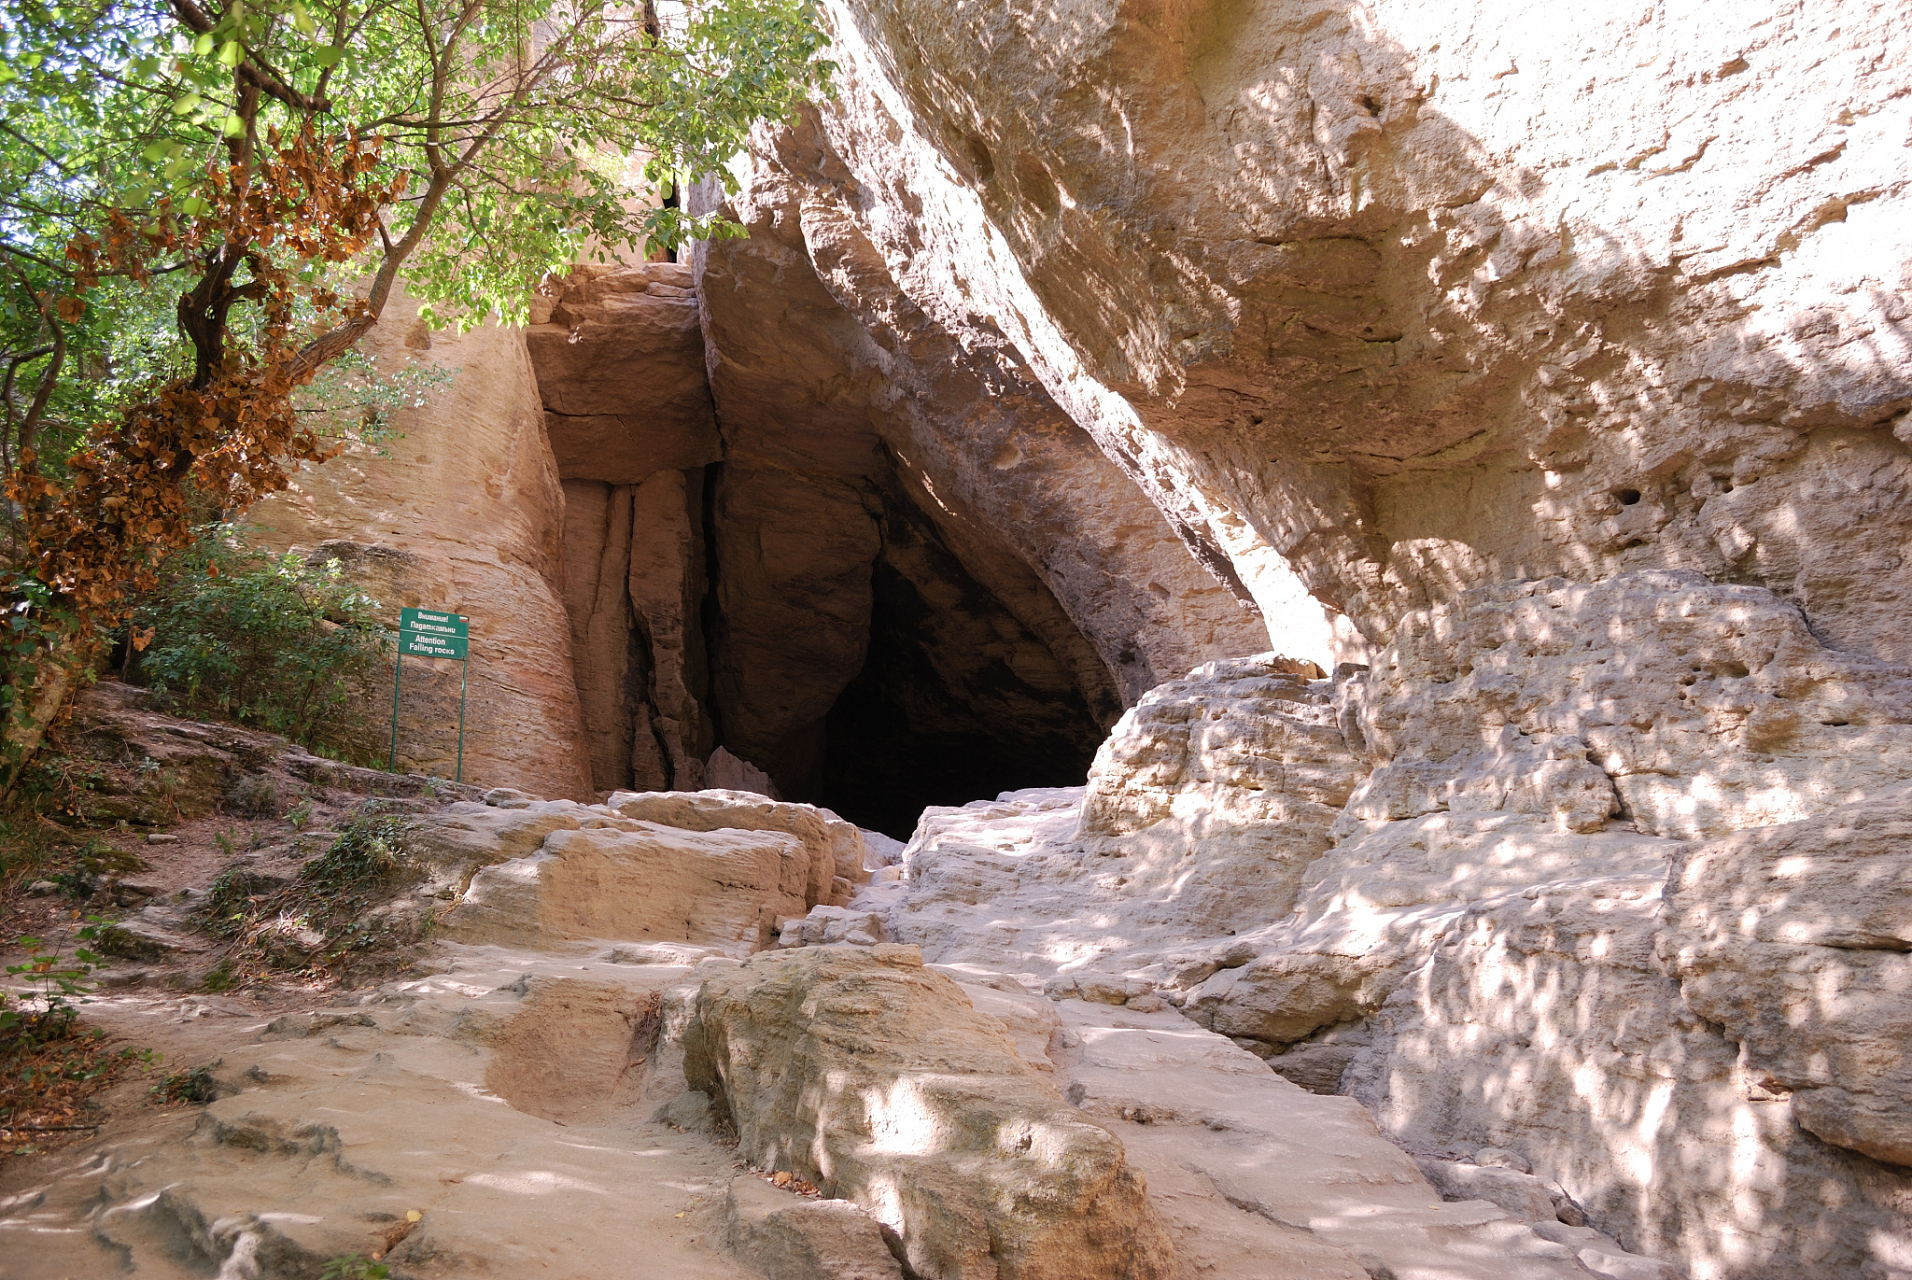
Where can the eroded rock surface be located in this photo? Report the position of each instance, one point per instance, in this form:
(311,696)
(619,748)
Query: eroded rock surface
(1414,298)
(875,1078)
(1475,951)
(1691,708)
(1793,939)
(461,511)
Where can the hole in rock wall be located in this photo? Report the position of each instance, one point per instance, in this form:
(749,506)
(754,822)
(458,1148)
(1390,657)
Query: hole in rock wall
(956,700)
(801,612)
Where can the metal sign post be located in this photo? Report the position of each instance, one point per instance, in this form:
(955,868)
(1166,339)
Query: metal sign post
(433,633)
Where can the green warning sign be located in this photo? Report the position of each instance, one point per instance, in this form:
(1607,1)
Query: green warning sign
(433,633)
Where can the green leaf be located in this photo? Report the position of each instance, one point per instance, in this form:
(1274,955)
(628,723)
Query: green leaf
(302,20)
(230,53)
(328,55)
(203,45)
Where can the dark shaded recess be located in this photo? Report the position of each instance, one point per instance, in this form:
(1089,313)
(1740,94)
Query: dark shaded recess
(957,700)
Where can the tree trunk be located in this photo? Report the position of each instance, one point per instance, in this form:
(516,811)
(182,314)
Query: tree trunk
(40,689)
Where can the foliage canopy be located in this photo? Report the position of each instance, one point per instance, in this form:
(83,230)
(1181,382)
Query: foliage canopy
(204,203)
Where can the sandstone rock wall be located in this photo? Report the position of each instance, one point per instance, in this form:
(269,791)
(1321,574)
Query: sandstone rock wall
(463,512)
(916,549)
(619,361)
(781,578)
(1533,882)
(1565,367)
(1417,296)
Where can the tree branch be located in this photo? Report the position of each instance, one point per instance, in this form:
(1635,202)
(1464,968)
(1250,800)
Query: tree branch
(250,68)
(30,424)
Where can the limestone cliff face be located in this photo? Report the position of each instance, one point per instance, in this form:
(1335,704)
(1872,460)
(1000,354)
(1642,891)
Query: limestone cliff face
(462,512)
(1416,296)
(1556,371)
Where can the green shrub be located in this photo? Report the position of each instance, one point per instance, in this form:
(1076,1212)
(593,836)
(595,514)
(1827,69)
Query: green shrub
(276,642)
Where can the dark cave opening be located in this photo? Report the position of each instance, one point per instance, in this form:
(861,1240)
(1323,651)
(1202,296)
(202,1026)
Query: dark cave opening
(956,701)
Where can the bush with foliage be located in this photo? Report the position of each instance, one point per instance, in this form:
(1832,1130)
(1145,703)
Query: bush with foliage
(222,196)
(338,913)
(278,642)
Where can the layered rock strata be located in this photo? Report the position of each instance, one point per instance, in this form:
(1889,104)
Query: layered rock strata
(1412,297)
(1611,886)
(783,579)
(716,869)
(619,361)
(460,510)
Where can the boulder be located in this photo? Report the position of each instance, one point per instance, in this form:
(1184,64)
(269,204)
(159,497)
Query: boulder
(874,1078)
(791,1238)
(1286,996)
(639,882)
(835,847)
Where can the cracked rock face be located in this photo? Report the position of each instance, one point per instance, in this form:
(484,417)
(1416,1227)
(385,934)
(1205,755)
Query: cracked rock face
(1694,709)
(1794,939)
(462,511)
(1687,1034)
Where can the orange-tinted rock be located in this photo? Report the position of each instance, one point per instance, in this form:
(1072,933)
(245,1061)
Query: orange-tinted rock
(464,513)
(620,364)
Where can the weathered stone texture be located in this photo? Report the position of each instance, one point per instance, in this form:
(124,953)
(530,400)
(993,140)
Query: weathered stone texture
(1793,939)
(463,512)
(1419,296)
(875,1078)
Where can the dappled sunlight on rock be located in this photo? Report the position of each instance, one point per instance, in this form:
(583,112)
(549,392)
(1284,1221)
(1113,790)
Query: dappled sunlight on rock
(861,1070)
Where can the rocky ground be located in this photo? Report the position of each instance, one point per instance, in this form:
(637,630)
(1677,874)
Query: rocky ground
(673,1034)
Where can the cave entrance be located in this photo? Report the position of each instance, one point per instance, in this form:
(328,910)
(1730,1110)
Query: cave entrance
(956,701)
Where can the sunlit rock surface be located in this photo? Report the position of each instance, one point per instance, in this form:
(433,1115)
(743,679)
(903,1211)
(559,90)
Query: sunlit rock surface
(1488,964)
(1418,296)
(876,1079)
(1542,385)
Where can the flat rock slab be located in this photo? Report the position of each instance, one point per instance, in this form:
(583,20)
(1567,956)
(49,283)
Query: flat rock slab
(1327,1194)
(498,1099)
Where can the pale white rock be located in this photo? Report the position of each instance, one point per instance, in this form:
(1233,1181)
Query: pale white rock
(1403,299)
(1523,1196)
(1203,810)
(861,1071)
(1483,973)
(827,925)
(1794,939)
(1331,1195)
(726,772)
(1709,707)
